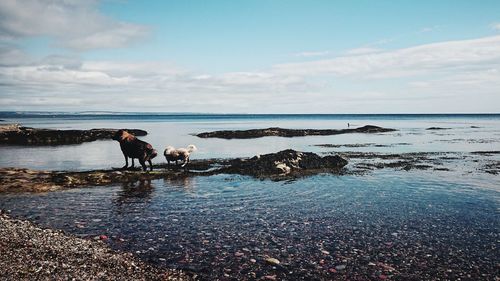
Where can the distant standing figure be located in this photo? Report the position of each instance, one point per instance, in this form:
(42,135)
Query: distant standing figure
(135,148)
(348,125)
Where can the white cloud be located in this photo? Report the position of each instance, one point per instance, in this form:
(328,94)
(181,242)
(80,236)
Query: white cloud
(495,26)
(448,75)
(424,59)
(74,24)
(10,55)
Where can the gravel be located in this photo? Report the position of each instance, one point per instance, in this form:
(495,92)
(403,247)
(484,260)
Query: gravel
(32,253)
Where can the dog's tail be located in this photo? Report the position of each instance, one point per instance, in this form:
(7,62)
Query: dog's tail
(190,148)
(151,152)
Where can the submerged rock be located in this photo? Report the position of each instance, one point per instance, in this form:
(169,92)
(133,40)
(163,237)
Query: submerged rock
(18,135)
(273,261)
(281,132)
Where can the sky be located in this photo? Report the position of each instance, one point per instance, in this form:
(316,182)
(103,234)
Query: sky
(250,56)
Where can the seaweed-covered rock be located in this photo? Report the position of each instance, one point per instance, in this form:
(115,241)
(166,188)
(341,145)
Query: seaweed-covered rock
(281,132)
(18,135)
(436,128)
(285,162)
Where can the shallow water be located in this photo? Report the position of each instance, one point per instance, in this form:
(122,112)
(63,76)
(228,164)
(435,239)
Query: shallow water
(424,224)
(215,225)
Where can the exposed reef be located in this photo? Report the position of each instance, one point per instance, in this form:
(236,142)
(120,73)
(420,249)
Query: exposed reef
(329,145)
(288,162)
(15,134)
(281,165)
(467,163)
(437,128)
(281,132)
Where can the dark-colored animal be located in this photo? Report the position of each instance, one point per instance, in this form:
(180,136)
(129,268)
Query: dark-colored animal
(172,154)
(135,148)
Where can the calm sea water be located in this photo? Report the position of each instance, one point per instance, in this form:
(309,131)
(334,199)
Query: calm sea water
(425,224)
(178,130)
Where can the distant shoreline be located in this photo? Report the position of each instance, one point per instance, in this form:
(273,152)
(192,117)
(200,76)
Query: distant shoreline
(157,115)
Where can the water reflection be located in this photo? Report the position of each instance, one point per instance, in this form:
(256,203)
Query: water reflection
(185,183)
(131,191)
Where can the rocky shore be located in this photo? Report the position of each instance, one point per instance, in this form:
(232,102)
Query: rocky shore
(281,165)
(281,132)
(466,163)
(15,134)
(29,252)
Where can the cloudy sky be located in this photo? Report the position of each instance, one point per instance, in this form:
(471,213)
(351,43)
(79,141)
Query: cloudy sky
(259,56)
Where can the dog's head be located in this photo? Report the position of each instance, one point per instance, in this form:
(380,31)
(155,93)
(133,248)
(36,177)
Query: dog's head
(120,135)
(191,148)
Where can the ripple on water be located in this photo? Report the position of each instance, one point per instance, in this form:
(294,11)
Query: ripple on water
(200,223)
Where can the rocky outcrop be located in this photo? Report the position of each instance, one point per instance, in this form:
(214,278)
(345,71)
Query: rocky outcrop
(286,162)
(19,135)
(436,128)
(280,132)
(283,164)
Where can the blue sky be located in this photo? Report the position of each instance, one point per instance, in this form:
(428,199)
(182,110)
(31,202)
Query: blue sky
(251,56)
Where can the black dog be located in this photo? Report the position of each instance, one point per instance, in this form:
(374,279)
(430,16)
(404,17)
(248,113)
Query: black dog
(135,148)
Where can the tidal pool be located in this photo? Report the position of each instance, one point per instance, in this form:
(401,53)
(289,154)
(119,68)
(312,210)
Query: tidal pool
(414,225)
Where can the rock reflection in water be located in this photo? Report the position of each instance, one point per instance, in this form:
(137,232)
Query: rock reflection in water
(132,190)
(185,183)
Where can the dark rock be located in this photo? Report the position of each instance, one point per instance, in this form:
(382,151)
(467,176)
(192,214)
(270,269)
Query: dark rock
(329,145)
(486,152)
(492,168)
(19,135)
(437,128)
(280,132)
(285,162)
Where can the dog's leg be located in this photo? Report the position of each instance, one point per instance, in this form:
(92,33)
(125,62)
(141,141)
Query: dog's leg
(175,162)
(150,164)
(143,164)
(132,163)
(186,161)
(126,162)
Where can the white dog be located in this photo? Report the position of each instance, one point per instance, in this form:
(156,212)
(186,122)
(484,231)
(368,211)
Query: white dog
(172,154)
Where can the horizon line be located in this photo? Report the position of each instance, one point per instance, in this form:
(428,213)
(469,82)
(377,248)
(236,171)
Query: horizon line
(97,112)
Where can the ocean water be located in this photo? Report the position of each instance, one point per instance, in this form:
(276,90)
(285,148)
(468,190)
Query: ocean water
(403,225)
(468,133)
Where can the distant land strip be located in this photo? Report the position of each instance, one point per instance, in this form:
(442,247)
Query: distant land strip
(14,134)
(288,133)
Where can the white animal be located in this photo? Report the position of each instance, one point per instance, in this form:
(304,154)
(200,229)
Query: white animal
(173,154)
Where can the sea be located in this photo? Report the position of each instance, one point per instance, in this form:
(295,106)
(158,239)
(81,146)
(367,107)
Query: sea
(388,223)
